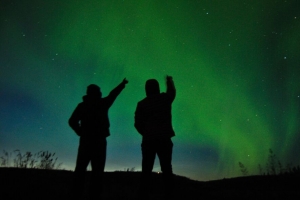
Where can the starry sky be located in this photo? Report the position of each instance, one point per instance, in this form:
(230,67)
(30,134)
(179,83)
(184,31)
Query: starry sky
(235,64)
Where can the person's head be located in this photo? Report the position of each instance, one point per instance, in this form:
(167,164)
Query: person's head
(152,87)
(94,91)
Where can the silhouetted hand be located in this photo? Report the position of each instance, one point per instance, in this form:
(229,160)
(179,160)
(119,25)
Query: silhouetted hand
(125,81)
(169,77)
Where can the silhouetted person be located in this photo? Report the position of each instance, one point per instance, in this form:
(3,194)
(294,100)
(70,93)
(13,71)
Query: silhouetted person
(91,123)
(153,120)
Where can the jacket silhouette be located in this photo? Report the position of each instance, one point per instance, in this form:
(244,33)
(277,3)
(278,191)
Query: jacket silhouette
(153,118)
(90,118)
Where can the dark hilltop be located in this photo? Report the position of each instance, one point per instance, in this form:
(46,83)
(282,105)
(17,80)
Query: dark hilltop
(17,183)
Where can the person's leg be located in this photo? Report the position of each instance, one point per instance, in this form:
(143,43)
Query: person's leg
(148,158)
(98,164)
(164,153)
(82,162)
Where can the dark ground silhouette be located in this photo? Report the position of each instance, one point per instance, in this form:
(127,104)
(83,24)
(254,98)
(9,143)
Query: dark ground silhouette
(17,183)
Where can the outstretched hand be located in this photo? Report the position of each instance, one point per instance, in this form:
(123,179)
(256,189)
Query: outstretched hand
(169,77)
(125,81)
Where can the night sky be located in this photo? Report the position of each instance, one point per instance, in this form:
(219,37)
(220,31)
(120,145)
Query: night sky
(235,64)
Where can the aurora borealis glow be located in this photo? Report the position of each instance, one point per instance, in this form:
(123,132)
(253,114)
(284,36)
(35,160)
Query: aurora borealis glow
(235,65)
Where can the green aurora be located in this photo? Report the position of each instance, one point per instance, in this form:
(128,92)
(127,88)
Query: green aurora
(235,66)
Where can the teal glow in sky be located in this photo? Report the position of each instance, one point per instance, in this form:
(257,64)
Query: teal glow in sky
(235,64)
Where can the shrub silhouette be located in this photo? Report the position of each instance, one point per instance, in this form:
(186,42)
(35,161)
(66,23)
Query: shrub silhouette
(40,160)
(5,159)
(273,167)
(243,169)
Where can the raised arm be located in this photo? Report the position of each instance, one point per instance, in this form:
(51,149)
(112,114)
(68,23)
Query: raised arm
(116,91)
(171,91)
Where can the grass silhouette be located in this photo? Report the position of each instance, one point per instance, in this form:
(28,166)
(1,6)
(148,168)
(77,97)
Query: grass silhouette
(39,160)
